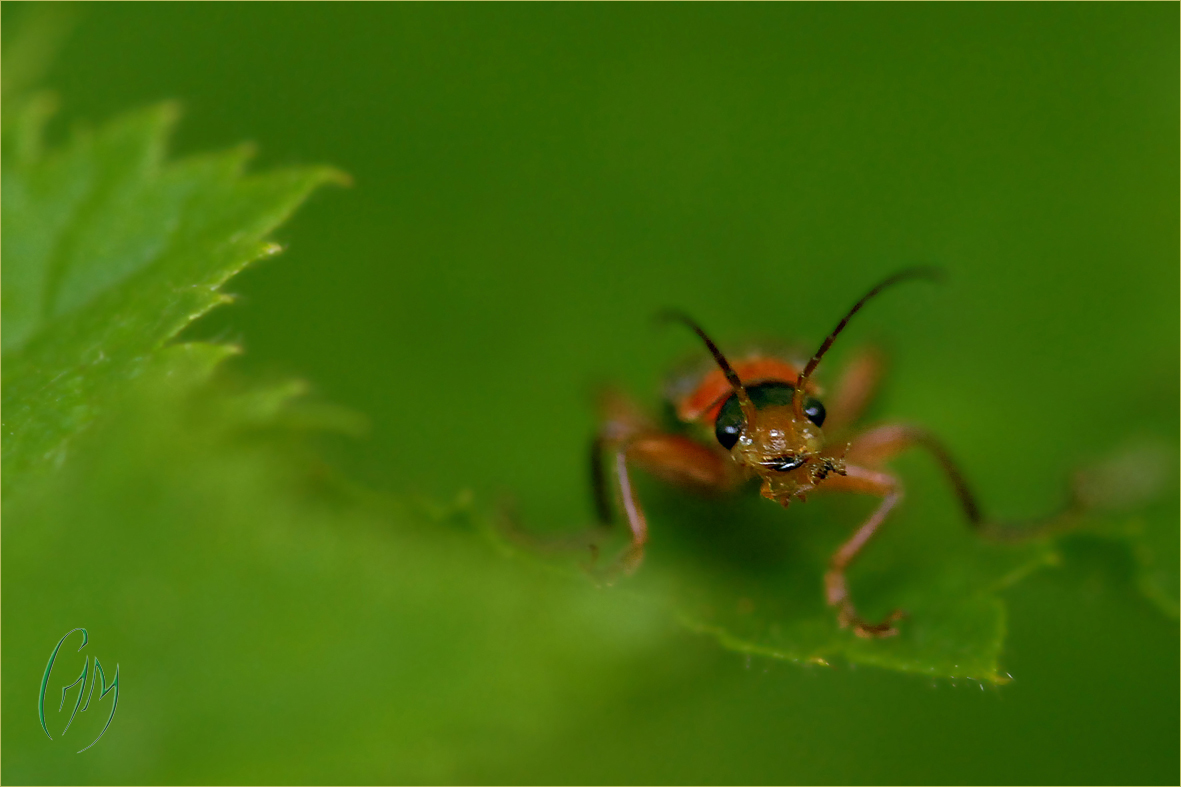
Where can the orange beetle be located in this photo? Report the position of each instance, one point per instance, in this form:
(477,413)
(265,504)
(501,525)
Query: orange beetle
(762,418)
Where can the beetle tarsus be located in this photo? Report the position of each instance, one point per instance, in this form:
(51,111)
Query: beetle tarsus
(848,619)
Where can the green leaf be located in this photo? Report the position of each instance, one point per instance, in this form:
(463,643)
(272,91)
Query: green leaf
(750,574)
(1156,544)
(1136,489)
(250,597)
(110,250)
(260,607)
(257,601)
(42,32)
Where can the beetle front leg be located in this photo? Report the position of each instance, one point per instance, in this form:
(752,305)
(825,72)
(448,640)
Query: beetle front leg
(860,479)
(631,557)
(673,458)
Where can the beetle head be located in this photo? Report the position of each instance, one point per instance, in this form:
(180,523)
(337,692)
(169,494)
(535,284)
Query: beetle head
(785,451)
(773,429)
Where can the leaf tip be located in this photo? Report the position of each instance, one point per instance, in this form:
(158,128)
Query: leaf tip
(336,177)
(168,114)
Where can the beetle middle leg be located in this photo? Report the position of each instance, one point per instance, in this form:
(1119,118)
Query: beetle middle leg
(854,391)
(878,445)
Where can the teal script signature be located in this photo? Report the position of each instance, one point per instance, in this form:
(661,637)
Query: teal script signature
(99,676)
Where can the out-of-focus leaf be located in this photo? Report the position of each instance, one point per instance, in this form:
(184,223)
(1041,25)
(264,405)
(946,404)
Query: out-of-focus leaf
(255,605)
(1156,547)
(42,32)
(306,631)
(109,251)
(252,601)
(1136,488)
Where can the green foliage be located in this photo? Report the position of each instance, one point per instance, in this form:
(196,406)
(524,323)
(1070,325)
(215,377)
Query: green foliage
(741,572)
(306,628)
(1129,489)
(945,579)
(188,523)
(236,580)
(111,252)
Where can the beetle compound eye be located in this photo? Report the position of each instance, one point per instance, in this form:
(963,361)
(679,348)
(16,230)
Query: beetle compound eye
(815,411)
(728,426)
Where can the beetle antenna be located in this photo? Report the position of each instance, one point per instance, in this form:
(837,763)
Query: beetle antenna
(748,407)
(920,272)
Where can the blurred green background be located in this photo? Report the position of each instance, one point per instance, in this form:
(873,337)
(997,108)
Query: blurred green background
(533,182)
